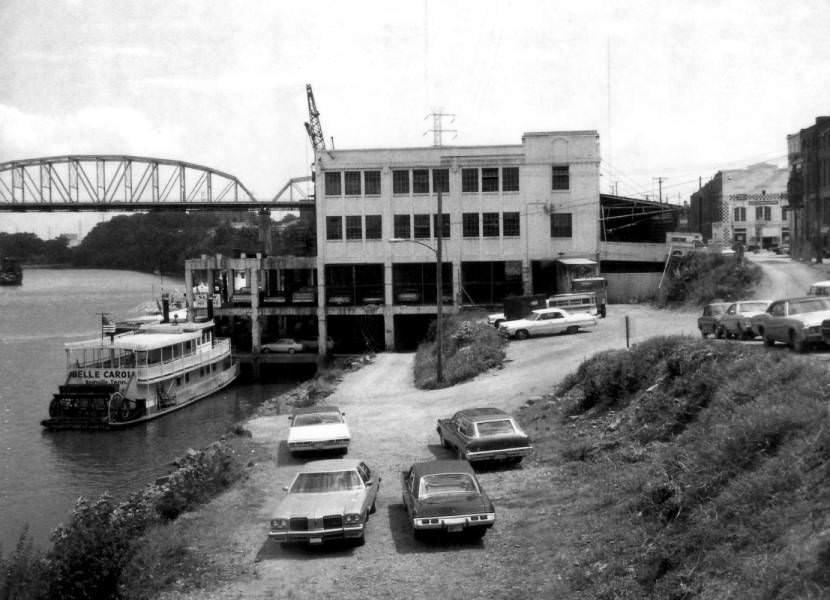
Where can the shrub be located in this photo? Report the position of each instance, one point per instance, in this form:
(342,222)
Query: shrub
(22,573)
(470,347)
(702,278)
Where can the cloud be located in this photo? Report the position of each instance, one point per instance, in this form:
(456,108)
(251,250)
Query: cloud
(90,130)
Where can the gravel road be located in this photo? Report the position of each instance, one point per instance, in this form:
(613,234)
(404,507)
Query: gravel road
(393,425)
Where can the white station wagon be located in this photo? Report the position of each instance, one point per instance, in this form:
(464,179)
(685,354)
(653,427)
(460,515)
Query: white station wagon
(318,428)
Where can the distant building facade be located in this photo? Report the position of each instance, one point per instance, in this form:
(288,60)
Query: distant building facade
(809,188)
(747,206)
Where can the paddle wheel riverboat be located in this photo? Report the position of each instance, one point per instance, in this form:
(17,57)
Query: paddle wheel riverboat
(128,378)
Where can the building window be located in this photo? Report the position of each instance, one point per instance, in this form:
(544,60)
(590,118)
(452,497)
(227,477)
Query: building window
(489,180)
(763,213)
(510,179)
(421,226)
(785,213)
(490,224)
(510,224)
(561,178)
(420,181)
(354,229)
(402,229)
(353,183)
(374,229)
(740,213)
(400,182)
(469,225)
(441,180)
(334,228)
(561,225)
(332,183)
(445,228)
(469,180)
(371,183)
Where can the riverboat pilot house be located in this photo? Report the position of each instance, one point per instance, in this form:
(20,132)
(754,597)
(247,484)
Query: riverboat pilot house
(514,220)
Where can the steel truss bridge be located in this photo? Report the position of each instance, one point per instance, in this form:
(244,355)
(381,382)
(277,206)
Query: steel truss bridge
(101,183)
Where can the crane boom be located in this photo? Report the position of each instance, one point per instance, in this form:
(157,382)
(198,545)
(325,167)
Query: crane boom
(313,127)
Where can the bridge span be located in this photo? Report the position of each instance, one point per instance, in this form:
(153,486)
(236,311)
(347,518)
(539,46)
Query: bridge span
(108,182)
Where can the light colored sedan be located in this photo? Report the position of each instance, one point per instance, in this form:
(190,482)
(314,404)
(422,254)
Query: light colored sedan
(285,345)
(736,322)
(547,321)
(317,428)
(796,321)
(327,500)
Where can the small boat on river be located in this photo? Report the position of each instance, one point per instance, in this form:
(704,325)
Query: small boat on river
(128,378)
(10,271)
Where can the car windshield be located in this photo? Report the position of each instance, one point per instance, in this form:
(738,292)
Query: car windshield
(317,419)
(753,306)
(495,427)
(447,483)
(334,481)
(718,310)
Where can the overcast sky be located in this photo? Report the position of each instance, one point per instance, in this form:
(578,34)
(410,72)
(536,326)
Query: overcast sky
(676,90)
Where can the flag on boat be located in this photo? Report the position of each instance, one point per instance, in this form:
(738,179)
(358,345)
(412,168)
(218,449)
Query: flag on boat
(107,324)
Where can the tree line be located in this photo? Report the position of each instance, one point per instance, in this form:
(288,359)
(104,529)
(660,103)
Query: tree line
(161,242)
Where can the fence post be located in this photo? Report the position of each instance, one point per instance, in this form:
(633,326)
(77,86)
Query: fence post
(627,331)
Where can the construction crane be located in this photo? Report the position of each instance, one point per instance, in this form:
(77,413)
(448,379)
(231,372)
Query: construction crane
(313,127)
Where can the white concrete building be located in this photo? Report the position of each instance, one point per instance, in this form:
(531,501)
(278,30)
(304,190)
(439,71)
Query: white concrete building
(516,219)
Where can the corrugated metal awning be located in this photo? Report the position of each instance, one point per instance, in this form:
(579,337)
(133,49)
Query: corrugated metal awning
(576,261)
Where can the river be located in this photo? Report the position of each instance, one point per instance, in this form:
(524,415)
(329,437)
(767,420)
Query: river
(43,473)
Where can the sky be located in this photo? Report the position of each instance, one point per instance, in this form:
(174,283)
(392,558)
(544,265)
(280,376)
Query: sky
(677,90)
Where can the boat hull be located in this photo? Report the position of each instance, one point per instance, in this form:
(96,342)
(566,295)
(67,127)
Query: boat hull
(104,421)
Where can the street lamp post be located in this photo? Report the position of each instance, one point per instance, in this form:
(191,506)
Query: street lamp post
(439,289)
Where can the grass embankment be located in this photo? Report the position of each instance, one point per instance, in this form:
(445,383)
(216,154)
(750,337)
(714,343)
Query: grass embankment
(133,549)
(470,347)
(705,470)
(701,278)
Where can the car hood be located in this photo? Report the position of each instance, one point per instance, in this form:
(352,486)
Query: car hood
(517,323)
(316,506)
(812,319)
(318,433)
(453,504)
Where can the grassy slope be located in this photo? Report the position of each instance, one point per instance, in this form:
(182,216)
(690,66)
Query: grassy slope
(702,471)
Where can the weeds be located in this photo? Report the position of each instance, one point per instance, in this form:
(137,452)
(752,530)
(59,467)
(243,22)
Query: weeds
(702,278)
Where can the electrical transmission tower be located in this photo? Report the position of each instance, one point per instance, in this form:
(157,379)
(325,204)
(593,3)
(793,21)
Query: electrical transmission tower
(438,127)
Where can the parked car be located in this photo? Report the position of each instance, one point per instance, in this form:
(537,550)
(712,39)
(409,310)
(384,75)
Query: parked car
(546,321)
(796,321)
(496,319)
(340,299)
(736,322)
(318,428)
(327,500)
(409,296)
(479,434)
(819,288)
(707,323)
(446,496)
(282,345)
(304,295)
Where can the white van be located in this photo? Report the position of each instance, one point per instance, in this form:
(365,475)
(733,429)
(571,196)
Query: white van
(819,288)
(575,302)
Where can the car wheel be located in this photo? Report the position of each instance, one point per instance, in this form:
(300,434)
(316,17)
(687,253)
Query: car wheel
(522,334)
(747,335)
(374,508)
(444,443)
(703,333)
(266,351)
(769,341)
(797,345)
(719,333)
(572,330)
(291,351)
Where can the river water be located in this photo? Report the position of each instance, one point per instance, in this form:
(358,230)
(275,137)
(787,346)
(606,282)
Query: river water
(43,473)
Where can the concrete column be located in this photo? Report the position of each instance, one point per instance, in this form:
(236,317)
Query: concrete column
(527,277)
(188,293)
(256,328)
(388,307)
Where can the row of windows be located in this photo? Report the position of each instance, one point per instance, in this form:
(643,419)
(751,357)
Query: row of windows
(421,226)
(424,181)
(762,213)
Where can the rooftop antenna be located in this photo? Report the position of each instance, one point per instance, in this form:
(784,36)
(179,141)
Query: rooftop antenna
(438,126)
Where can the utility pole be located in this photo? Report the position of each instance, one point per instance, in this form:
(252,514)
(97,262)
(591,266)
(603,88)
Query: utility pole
(660,186)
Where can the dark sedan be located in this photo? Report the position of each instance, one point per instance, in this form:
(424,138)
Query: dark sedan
(445,496)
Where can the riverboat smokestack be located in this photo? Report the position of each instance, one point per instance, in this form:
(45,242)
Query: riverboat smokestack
(165,308)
